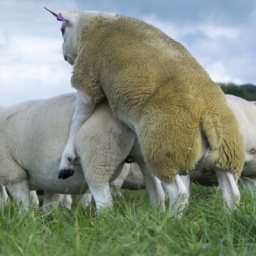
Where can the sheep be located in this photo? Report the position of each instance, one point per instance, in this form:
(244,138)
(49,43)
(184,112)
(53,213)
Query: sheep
(245,112)
(33,135)
(50,199)
(160,91)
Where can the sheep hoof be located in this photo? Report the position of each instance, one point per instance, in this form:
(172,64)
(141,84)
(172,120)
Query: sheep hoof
(65,173)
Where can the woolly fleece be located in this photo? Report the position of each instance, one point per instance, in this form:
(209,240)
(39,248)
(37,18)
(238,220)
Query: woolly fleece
(158,89)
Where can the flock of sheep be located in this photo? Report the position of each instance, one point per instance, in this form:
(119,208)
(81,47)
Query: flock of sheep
(141,96)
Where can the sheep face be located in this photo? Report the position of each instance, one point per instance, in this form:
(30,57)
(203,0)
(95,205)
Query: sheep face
(70,43)
(70,34)
(69,30)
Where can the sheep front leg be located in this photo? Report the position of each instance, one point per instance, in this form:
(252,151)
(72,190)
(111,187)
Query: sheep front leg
(230,191)
(178,196)
(84,108)
(88,94)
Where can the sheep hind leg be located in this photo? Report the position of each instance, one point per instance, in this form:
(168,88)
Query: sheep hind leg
(84,199)
(21,194)
(153,187)
(34,198)
(178,196)
(229,188)
(3,196)
(84,108)
(187,182)
(51,201)
(102,197)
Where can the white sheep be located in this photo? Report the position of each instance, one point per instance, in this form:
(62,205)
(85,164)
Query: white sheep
(50,200)
(33,136)
(245,113)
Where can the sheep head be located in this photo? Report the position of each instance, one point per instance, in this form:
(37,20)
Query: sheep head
(69,30)
(72,21)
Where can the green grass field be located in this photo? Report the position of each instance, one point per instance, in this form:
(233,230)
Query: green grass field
(133,228)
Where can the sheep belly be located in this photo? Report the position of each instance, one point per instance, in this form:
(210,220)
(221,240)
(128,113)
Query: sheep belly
(44,179)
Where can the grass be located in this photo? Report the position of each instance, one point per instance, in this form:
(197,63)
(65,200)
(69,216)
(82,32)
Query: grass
(133,228)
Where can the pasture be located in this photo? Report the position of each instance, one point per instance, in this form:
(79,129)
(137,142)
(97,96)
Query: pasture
(133,228)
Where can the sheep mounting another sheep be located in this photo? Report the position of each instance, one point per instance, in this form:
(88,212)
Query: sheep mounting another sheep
(156,88)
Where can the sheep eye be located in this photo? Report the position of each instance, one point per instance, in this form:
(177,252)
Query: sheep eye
(62,31)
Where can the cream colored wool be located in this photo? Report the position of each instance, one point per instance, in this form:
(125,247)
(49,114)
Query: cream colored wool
(157,88)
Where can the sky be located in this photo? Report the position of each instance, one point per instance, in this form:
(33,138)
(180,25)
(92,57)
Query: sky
(219,34)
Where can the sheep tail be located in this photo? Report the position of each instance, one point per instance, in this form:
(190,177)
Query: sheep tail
(213,130)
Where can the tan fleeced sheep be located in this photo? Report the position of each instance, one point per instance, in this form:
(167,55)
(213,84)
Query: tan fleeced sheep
(157,88)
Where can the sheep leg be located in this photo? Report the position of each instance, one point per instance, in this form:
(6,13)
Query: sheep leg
(52,200)
(84,199)
(66,201)
(21,194)
(3,195)
(84,108)
(118,182)
(248,183)
(230,191)
(154,187)
(178,195)
(186,181)
(98,177)
(34,198)
(87,199)
(102,197)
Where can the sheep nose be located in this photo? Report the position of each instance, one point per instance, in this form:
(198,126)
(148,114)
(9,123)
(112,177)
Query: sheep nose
(65,57)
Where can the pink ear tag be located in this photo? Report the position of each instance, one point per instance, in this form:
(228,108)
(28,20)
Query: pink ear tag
(60,17)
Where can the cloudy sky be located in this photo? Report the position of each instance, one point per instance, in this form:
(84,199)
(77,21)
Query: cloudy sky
(219,34)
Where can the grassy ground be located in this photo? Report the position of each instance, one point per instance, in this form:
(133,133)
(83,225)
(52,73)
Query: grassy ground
(134,229)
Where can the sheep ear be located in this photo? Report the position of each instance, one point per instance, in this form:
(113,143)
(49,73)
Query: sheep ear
(58,16)
(53,13)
